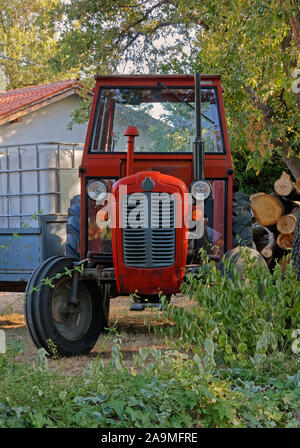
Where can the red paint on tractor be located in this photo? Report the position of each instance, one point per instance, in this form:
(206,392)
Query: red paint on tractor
(175,168)
(151,281)
(131,132)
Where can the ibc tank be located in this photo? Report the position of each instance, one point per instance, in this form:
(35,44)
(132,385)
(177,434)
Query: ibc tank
(37,179)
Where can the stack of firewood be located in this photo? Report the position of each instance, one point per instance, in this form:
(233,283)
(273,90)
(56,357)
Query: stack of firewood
(276,216)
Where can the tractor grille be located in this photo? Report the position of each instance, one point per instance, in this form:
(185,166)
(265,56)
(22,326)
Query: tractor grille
(149,233)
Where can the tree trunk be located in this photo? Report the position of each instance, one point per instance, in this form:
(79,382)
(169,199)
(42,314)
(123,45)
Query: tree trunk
(291,160)
(296,248)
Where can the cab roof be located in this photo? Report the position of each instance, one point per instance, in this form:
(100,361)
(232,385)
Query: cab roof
(152,80)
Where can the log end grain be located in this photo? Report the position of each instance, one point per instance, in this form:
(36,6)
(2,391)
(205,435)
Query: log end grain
(286,224)
(283,186)
(285,241)
(266,209)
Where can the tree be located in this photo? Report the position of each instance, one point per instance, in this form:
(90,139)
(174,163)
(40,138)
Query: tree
(29,34)
(253,44)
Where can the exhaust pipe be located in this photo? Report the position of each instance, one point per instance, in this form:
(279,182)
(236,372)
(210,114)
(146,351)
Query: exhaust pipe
(198,144)
(131,132)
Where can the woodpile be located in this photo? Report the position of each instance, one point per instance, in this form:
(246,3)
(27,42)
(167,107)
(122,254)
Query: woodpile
(276,216)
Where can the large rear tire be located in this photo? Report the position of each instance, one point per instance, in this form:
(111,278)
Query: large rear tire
(73,228)
(242,232)
(51,321)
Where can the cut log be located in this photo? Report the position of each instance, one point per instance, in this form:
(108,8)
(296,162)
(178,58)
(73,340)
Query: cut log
(285,187)
(259,232)
(296,248)
(287,223)
(298,183)
(285,241)
(264,240)
(256,195)
(267,209)
(268,250)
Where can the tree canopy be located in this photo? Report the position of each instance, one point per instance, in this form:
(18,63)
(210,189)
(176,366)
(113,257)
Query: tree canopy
(30,32)
(253,44)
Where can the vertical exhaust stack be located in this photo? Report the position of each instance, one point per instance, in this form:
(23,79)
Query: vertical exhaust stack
(131,132)
(198,147)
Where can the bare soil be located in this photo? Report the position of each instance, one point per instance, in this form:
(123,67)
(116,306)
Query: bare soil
(135,328)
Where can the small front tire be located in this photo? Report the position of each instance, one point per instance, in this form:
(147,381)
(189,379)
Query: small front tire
(55,325)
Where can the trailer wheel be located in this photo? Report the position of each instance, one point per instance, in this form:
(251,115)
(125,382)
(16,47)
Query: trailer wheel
(73,228)
(241,220)
(51,321)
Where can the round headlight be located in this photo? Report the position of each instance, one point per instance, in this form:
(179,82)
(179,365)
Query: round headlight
(200,190)
(97,190)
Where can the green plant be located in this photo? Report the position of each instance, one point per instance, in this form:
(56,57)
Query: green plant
(238,319)
(170,390)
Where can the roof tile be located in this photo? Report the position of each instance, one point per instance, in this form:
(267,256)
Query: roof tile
(15,100)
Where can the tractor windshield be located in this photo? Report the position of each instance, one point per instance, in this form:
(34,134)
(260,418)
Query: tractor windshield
(164,117)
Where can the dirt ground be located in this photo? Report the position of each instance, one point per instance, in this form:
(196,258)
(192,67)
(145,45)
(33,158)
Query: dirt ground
(135,328)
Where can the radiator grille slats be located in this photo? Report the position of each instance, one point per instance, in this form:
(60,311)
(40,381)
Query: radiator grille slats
(152,244)
(163,231)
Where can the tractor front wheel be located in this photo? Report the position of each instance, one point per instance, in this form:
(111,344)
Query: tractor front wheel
(55,324)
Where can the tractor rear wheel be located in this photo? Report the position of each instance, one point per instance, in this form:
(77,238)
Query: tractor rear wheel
(73,228)
(241,220)
(52,321)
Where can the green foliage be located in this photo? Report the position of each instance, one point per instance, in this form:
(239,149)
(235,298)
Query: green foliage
(162,390)
(241,320)
(29,34)
(250,181)
(252,44)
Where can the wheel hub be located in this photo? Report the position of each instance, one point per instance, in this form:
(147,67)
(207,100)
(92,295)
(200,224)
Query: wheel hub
(72,321)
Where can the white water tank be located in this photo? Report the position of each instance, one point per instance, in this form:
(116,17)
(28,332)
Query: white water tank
(35,179)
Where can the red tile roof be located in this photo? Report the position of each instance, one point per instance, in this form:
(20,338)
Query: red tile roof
(13,101)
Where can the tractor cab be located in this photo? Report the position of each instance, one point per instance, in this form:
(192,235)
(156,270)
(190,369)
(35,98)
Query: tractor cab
(156,186)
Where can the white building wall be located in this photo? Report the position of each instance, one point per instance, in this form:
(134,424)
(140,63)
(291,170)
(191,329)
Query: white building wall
(46,124)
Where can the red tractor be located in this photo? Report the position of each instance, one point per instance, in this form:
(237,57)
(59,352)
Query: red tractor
(156,186)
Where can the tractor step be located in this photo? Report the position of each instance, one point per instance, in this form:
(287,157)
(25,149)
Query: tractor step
(143,306)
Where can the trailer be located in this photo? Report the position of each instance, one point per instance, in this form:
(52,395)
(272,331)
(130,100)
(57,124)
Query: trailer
(37,181)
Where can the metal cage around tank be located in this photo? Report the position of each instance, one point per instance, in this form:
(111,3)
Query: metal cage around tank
(37,181)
